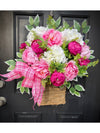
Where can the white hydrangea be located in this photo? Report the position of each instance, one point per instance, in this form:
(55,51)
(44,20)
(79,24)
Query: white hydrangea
(30,37)
(39,30)
(56,54)
(70,34)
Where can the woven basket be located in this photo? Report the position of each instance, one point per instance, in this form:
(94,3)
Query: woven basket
(53,96)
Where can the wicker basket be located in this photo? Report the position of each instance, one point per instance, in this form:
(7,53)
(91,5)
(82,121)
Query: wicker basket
(53,96)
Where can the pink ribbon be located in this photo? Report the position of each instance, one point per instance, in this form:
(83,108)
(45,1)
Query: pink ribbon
(31,80)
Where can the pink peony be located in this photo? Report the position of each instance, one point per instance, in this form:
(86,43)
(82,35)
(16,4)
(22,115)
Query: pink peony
(57,78)
(36,47)
(83,61)
(74,48)
(85,51)
(29,56)
(54,37)
(41,69)
(71,71)
(23,45)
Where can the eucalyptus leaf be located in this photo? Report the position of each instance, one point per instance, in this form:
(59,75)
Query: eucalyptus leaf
(84,23)
(28,27)
(10,68)
(19,60)
(92,51)
(31,21)
(91,57)
(86,41)
(79,88)
(27,90)
(77,94)
(86,29)
(36,20)
(19,84)
(53,21)
(58,21)
(10,62)
(68,85)
(72,90)
(22,89)
(65,25)
(77,25)
(19,55)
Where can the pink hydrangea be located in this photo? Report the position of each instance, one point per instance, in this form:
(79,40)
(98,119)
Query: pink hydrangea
(74,48)
(41,69)
(83,61)
(36,47)
(54,37)
(57,78)
(29,56)
(71,71)
(23,45)
(85,51)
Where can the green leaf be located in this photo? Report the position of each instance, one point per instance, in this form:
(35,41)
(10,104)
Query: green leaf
(60,28)
(19,84)
(10,62)
(53,22)
(79,88)
(22,89)
(91,57)
(10,68)
(92,51)
(36,20)
(86,41)
(93,63)
(31,21)
(75,79)
(77,94)
(86,29)
(19,55)
(58,21)
(27,90)
(68,85)
(72,90)
(19,60)
(84,23)
(27,43)
(65,25)
(77,25)
(28,27)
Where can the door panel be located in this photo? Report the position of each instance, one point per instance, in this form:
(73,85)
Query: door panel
(19,107)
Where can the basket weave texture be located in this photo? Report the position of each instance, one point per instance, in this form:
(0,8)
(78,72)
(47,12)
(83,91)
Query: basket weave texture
(53,96)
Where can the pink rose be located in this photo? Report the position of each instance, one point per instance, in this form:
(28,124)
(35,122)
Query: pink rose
(74,48)
(41,69)
(85,51)
(54,37)
(23,45)
(71,71)
(36,47)
(29,56)
(83,61)
(57,78)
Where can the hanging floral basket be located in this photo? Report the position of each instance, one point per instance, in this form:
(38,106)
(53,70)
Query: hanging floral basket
(53,96)
(52,57)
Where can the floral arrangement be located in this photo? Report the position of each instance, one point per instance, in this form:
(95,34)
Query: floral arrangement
(54,55)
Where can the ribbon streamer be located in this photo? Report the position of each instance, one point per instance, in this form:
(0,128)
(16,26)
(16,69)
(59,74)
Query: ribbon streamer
(31,80)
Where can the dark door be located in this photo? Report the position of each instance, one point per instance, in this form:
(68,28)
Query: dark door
(19,107)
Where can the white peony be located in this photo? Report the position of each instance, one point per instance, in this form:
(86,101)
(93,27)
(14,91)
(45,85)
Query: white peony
(70,34)
(56,54)
(39,30)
